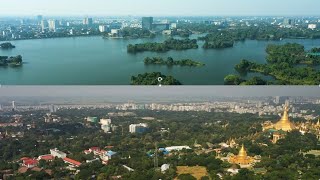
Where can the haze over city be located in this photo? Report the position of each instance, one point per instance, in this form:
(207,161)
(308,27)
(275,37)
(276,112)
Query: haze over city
(161,8)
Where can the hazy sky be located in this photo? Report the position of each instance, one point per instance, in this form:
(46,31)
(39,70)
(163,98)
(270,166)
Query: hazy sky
(160,7)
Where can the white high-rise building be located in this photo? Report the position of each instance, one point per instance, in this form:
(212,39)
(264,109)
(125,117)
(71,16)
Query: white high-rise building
(103,28)
(277,100)
(44,25)
(138,128)
(53,25)
(87,21)
(52,108)
(13,105)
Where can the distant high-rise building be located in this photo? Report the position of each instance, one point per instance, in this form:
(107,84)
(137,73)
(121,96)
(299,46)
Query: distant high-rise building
(147,23)
(87,21)
(173,26)
(277,100)
(103,28)
(44,25)
(39,18)
(53,25)
(287,103)
(13,106)
(52,108)
(138,128)
(287,22)
(72,32)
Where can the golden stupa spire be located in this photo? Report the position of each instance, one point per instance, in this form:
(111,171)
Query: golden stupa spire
(285,116)
(242,152)
(284,123)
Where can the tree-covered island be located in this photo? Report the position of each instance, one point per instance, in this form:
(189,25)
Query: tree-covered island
(152,79)
(11,61)
(226,37)
(7,45)
(170,44)
(171,62)
(289,64)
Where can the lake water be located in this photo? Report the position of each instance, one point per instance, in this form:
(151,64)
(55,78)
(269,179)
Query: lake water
(98,61)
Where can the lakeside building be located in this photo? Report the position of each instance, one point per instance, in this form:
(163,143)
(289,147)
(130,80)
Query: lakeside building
(103,28)
(53,25)
(87,21)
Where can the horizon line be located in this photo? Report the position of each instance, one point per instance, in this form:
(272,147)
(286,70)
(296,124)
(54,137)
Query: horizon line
(160,15)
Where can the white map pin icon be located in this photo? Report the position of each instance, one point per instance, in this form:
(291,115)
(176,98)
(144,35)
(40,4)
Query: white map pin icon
(159,80)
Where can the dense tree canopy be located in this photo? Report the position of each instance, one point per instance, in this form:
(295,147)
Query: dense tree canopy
(170,44)
(152,79)
(171,62)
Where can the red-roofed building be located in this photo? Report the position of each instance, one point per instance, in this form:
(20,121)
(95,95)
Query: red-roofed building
(24,158)
(30,163)
(72,162)
(47,157)
(94,150)
(22,170)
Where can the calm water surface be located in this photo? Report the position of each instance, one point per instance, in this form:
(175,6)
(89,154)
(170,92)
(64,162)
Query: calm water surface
(97,61)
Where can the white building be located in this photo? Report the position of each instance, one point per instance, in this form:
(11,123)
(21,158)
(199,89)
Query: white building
(312,26)
(71,32)
(165,167)
(177,148)
(13,105)
(53,25)
(44,25)
(138,128)
(115,32)
(173,26)
(105,121)
(56,153)
(106,125)
(103,28)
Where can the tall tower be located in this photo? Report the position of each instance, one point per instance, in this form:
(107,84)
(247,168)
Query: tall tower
(147,23)
(13,106)
(44,25)
(277,100)
(53,25)
(87,21)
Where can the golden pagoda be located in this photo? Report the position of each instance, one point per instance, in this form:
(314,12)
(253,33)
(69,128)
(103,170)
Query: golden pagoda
(242,158)
(284,123)
(318,124)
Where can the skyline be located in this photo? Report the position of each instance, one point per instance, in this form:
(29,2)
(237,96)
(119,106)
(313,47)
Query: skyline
(152,92)
(163,8)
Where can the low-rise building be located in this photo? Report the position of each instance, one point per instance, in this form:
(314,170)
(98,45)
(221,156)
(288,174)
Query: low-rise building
(177,148)
(56,153)
(71,162)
